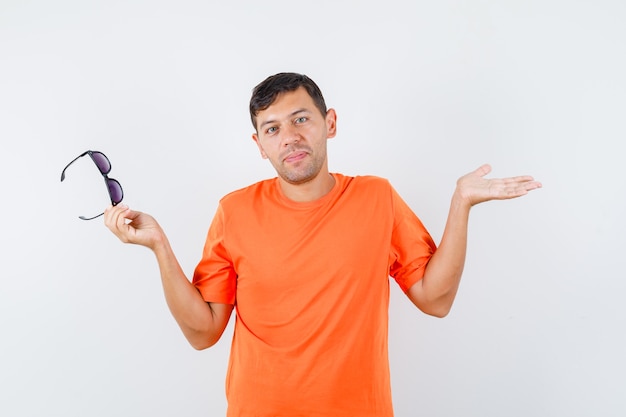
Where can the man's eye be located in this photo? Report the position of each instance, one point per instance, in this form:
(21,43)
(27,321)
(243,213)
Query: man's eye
(301,119)
(271,130)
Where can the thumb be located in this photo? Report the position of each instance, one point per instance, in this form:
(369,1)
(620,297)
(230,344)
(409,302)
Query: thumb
(482,170)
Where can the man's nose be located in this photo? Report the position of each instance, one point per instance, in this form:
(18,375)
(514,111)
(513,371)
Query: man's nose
(290,134)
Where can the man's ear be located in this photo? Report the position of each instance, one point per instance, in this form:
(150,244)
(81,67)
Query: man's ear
(331,123)
(255,138)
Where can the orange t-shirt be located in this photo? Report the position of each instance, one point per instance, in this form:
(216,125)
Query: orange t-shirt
(310,282)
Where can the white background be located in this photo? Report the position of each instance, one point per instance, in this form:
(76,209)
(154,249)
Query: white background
(425,91)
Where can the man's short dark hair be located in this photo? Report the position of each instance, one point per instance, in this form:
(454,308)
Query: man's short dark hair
(268,90)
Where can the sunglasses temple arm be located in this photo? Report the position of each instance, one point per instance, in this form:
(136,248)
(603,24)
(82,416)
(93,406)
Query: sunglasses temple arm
(74,160)
(90,218)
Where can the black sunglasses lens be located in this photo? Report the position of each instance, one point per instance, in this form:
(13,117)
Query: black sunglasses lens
(115,191)
(102,162)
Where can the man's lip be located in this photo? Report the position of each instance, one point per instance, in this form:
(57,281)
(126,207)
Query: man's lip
(295,156)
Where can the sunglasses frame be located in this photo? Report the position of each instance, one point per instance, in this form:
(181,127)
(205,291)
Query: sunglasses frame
(107,180)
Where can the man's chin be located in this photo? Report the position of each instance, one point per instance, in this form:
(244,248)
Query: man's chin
(298,178)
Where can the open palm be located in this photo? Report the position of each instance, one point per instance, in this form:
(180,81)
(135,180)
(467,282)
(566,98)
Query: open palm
(475,188)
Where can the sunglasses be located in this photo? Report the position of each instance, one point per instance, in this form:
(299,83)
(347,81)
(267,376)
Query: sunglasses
(104,165)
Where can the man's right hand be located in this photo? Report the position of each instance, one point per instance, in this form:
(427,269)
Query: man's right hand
(133,226)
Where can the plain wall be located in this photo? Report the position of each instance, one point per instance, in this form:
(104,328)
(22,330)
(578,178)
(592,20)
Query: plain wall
(424,91)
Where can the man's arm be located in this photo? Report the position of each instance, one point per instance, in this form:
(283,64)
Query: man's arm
(435,292)
(202,323)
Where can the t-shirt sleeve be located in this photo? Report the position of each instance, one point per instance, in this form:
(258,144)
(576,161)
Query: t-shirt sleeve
(215,275)
(411,245)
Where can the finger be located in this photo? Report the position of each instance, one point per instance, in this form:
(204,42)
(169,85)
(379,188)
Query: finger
(115,220)
(519,179)
(111,213)
(518,189)
(526,182)
(124,217)
(482,170)
(532,185)
(125,231)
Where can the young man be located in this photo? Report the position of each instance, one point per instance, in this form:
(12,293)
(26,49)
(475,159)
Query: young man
(305,258)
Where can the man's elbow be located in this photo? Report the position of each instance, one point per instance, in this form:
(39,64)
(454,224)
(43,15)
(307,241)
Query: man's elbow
(437,306)
(205,333)
(438,311)
(202,344)
(202,340)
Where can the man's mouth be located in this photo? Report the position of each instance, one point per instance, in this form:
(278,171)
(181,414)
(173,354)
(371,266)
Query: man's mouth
(295,156)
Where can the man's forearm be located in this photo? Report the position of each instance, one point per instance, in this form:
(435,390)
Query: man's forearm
(201,323)
(435,292)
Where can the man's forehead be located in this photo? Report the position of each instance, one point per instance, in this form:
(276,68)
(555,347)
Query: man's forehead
(287,104)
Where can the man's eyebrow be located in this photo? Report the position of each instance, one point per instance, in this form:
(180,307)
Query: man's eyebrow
(293,113)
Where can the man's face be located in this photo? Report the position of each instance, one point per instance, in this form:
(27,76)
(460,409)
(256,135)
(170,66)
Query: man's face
(292,134)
